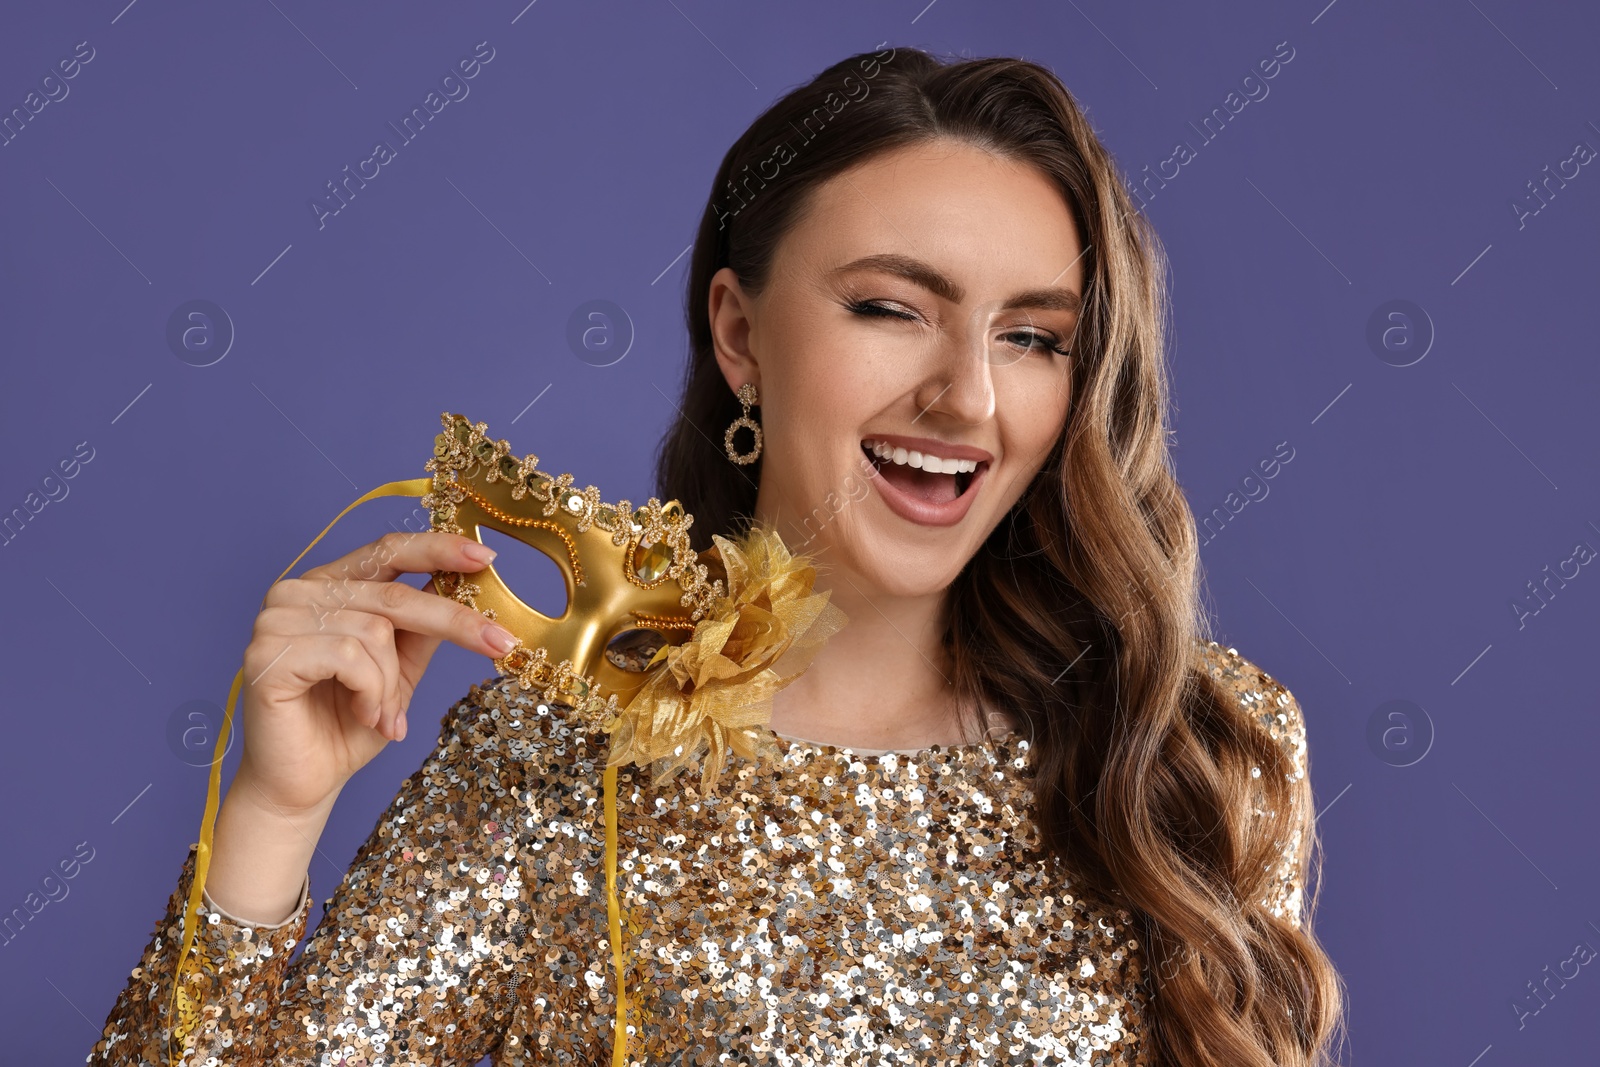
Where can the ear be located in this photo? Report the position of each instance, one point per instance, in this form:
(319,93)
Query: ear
(731,314)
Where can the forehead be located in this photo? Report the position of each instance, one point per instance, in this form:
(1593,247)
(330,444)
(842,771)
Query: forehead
(988,221)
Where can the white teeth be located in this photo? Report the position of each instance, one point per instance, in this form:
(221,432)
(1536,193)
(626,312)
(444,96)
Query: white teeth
(926,461)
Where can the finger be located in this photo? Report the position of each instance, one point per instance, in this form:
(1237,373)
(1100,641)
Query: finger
(376,632)
(305,660)
(416,649)
(398,553)
(355,669)
(406,608)
(414,652)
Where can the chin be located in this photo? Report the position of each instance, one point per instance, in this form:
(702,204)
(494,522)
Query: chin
(885,562)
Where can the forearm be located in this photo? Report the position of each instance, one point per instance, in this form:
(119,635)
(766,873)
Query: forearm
(260,853)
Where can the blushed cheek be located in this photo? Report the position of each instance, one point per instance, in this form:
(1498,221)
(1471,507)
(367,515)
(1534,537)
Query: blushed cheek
(1033,412)
(841,382)
(817,405)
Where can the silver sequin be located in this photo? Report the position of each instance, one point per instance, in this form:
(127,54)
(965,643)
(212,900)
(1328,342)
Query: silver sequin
(825,908)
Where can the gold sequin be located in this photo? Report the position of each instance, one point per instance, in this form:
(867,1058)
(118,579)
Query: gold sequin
(822,908)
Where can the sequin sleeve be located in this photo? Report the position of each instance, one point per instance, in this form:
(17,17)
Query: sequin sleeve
(1275,709)
(1289,878)
(413,959)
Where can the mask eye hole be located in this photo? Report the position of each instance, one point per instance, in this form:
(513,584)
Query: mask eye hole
(631,650)
(530,575)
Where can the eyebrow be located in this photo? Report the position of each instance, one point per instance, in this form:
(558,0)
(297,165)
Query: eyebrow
(931,279)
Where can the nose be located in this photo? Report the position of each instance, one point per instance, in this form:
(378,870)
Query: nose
(960,382)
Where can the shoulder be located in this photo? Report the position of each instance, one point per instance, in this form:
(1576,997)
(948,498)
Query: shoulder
(1261,697)
(1267,703)
(508,738)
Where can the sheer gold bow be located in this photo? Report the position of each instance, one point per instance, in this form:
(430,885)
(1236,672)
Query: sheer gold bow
(713,693)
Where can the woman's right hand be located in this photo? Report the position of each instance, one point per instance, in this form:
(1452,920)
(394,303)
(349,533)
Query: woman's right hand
(335,657)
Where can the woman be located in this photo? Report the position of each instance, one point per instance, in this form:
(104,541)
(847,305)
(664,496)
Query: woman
(1027,810)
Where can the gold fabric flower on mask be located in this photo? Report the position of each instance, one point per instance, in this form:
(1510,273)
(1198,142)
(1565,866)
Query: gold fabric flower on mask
(713,693)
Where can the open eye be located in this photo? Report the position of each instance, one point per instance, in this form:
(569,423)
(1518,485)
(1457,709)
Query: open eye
(631,650)
(1035,341)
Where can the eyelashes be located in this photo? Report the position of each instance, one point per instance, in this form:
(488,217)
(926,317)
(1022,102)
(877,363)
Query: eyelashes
(1035,340)
(875,310)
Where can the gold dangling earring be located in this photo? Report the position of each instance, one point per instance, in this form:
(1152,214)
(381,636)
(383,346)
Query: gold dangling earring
(747,396)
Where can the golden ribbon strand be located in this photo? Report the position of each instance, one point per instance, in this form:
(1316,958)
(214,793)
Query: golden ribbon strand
(183,1015)
(713,693)
(703,699)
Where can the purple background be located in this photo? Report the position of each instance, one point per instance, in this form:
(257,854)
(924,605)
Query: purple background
(1382,564)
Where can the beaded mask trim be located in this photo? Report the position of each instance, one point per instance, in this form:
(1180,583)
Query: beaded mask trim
(651,542)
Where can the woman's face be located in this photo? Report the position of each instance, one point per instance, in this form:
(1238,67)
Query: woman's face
(921,308)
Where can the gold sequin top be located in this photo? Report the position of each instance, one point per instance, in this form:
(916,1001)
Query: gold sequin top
(825,908)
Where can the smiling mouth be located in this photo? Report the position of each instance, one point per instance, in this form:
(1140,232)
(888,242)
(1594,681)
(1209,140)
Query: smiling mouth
(930,479)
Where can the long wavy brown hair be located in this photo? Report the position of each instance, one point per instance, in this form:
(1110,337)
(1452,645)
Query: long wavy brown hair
(1143,768)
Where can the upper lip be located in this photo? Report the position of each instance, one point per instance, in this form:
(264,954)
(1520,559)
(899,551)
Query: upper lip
(931,446)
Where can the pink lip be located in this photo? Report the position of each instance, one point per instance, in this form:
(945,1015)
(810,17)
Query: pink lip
(944,449)
(920,511)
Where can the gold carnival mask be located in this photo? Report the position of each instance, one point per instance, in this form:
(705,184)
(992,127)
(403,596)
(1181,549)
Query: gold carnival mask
(633,582)
(675,656)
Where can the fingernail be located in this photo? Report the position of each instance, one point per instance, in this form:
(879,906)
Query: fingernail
(478,553)
(499,638)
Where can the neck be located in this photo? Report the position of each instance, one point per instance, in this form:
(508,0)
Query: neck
(880,683)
